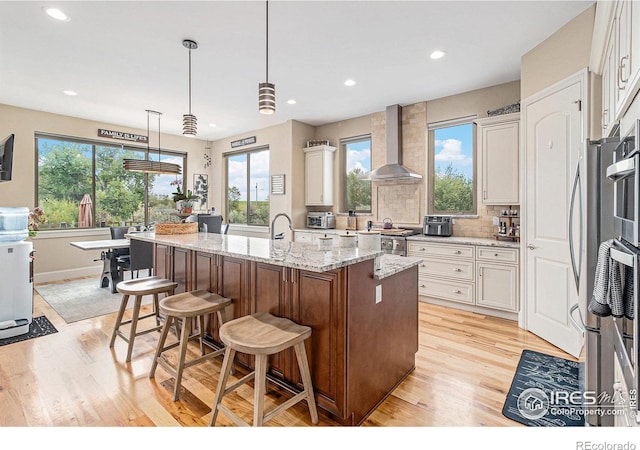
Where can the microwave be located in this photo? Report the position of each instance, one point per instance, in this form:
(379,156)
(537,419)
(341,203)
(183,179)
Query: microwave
(323,220)
(624,172)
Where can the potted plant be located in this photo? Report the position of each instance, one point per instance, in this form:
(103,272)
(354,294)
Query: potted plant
(187,202)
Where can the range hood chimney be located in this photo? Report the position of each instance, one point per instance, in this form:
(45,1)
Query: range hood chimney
(393,170)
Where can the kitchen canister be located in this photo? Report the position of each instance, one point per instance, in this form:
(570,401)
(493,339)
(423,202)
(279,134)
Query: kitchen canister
(369,241)
(14,224)
(348,240)
(325,242)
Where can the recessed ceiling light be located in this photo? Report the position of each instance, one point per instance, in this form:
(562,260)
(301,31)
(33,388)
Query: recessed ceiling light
(71,93)
(350,82)
(437,54)
(212,124)
(57,14)
(291,101)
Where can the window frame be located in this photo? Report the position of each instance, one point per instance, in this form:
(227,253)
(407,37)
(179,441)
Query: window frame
(343,148)
(431,128)
(94,143)
(247,152)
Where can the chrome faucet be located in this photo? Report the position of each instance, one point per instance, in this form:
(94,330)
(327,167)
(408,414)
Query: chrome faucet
(274,221)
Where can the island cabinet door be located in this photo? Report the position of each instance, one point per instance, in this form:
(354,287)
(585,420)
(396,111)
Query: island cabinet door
(319,301)
(233,283)
(204,271)
(162,261)
(270,292)
(181,269)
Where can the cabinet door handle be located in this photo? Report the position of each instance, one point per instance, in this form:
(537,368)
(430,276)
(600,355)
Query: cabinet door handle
(605,114)
(422,249)
(423,265)
(621,69)
(422,286)
(496,255)
(457,291)
(457,269)
(457,252)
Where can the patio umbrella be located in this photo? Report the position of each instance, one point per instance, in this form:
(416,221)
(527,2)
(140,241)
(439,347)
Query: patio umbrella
(85,214)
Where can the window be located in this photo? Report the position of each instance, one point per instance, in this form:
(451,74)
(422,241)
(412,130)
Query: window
(451,167)
(248,187)
(77,175)
(357,154)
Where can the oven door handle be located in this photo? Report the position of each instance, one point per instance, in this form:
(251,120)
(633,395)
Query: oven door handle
(621,169)
(576,267)
(622,257)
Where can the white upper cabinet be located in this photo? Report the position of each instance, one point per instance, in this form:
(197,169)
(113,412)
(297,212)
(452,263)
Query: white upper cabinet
(616,55)
(319,175)
(499,155)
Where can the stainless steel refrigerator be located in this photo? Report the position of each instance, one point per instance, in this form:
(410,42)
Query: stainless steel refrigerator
(598,226)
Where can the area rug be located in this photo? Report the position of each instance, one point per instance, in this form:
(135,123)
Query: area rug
(82,299)
(540,392)
(39,326)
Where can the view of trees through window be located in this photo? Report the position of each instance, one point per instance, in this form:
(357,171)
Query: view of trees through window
(248,188)
(358,162)
(83,185)
(453,169)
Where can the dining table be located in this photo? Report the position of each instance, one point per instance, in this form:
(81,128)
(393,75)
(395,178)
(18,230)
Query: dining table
(111,274)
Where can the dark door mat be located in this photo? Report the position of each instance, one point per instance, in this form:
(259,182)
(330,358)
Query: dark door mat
(536,397)
(39,326)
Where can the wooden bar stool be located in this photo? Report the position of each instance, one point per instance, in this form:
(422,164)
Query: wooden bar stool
(189,305)
(262,334)
(139,287)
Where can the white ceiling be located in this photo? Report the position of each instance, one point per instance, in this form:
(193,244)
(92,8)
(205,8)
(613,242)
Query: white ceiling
(123,57)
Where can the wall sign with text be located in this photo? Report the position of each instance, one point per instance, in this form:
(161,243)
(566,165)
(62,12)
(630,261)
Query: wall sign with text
(245,141)
(122,135)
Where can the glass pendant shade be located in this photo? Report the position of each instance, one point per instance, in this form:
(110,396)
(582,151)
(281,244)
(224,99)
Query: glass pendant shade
(189,125)
(267,98)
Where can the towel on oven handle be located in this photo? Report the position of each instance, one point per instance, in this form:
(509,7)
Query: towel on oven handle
(613,286)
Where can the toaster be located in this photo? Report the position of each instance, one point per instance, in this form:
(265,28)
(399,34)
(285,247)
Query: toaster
(437,226)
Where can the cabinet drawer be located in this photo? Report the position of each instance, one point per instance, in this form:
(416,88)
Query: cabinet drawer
(447,290)
(447,250)
(507,255)
(459,270)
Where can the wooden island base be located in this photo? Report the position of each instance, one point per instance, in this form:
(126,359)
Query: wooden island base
(359,350)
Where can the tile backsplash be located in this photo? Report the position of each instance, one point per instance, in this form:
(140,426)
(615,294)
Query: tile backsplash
(482,226)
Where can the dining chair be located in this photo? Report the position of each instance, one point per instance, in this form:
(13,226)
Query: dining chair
(122,255)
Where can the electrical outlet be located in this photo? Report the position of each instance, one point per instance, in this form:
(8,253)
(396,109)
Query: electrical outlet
(378,293)
(496,220)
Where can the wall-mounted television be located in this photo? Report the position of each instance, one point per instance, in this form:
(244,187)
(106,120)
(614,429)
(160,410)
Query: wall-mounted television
(6,157)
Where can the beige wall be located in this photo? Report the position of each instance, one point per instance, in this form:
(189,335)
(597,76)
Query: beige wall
(55,258)
(285,142)
(406,204)
(564,53)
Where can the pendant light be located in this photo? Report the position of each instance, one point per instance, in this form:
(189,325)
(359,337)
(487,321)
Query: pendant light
(266,90)
(189,121)
(148,166)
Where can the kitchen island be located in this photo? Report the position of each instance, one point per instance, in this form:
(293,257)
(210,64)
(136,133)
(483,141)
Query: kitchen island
(362,307)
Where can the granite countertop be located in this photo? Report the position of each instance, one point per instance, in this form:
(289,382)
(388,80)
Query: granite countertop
(296,255)
(465,240)
(392,264)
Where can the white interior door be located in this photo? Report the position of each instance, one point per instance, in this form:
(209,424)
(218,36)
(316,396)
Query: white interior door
(553,136)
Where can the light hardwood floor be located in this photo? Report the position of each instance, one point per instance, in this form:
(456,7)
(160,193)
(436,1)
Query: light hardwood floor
(464,368)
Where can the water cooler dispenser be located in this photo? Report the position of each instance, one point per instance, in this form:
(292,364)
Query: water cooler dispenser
(16,272)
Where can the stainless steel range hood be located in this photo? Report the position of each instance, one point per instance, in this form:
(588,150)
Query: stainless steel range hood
(393,170)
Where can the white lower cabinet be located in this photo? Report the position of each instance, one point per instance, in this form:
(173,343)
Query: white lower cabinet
(475,275)
(497,286)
